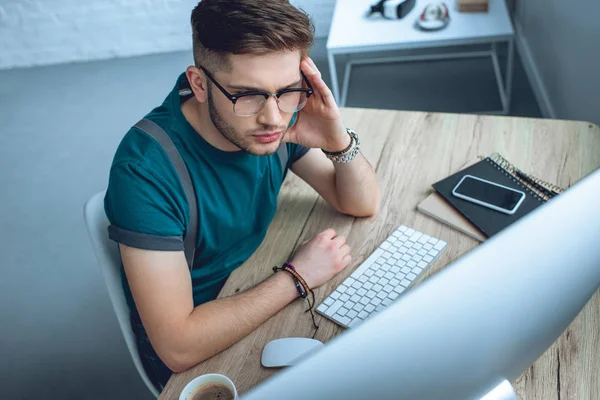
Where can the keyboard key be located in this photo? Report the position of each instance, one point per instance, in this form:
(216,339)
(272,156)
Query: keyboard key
(335,295)
(385,245)
(383,281)
(415,236)
(341,319)
(373,279)
(365,300)
(334,308)
(399,289)
(363,278)
(394,282)
(386,301)
(344,297)
(422,252)
(355,322)
(380,308)
(350,291)
(382,295)
(417,246)
(395,270)
(422,264)
(411,276)
(357,285)
(369,308)
(361,292)
(405,282)
(424,239)
(368,286)
(388,275)
(400,276)
(393,295)
(371,294)
(377,288)
(402,228)
(379,273)
(392,239)
(412,252)
(342,288)
(402,249)
(386,267)
(355,298)
(368,272)
(388,288)
(411,264)
(358,307)
(417,270)
(363,314)
(386,255)
(433,241)
(440,245)
(349,304)
(428,246)
(376,301)
(405,270)
(322,307)
(377,263)
(409,232)
(328,301)
(428,259)
(406,257)
(349,281)
(351,314)
(343,311)
(367,263)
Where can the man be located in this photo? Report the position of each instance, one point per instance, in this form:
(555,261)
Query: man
(228,136)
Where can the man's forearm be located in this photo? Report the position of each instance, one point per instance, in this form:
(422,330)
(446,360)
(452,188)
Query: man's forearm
(356,187)
(216,325)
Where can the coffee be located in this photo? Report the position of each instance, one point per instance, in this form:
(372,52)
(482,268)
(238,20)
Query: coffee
(212,391)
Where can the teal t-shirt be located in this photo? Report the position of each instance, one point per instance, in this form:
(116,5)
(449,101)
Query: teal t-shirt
(237,196)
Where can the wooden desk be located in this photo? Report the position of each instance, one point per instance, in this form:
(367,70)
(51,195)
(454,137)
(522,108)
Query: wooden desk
(412,150)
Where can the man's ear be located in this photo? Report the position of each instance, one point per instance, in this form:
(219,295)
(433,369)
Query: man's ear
(198,83)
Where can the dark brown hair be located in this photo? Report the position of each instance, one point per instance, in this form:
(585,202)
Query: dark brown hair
(224,27)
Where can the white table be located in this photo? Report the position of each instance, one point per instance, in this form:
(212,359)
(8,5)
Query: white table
(353,33)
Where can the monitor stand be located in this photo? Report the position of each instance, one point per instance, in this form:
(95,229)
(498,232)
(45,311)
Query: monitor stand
(504,391)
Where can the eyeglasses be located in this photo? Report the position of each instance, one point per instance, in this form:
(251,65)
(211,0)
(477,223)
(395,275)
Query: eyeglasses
(247,104)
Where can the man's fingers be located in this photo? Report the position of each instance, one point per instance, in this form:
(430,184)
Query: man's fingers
(328,233)
(321,88)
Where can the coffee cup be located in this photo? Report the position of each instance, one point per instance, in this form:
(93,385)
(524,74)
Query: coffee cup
(209,387)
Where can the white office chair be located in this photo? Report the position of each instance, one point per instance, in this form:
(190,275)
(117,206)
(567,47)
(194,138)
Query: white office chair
(109,259)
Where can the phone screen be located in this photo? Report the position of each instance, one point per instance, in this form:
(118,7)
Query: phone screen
(491,194)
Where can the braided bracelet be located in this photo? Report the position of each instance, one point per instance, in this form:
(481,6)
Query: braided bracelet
(302,288)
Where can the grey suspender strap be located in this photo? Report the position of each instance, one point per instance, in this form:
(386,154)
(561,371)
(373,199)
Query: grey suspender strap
(191,237)
(283,157)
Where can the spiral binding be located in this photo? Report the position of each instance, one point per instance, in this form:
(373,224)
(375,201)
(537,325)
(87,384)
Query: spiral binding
(542,190)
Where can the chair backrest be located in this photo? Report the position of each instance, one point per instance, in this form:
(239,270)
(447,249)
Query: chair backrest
(109,259)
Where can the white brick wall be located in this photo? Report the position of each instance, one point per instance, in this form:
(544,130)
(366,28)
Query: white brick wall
(42,32)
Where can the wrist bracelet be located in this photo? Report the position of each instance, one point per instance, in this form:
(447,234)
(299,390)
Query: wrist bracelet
(302,288)
(349,153)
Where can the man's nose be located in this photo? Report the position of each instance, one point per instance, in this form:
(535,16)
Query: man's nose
(270,114)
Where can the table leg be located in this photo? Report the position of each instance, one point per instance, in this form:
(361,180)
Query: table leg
(334,78)
(509,72)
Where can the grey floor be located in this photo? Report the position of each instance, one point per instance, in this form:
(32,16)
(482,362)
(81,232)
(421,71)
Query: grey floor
(59,128)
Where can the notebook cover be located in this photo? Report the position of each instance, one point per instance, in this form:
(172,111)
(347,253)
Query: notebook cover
(485,219)
(439,209)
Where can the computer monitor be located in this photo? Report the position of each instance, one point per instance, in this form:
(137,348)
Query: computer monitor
(483,319)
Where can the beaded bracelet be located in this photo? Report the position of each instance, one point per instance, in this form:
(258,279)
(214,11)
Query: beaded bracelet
(302,288)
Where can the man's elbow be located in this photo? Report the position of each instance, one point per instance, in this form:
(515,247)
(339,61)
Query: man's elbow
(177,361)
(363,211)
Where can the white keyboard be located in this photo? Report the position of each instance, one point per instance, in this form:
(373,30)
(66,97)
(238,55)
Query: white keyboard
(389,271)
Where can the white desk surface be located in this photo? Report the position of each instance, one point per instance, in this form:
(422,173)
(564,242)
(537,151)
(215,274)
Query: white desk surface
(352,32)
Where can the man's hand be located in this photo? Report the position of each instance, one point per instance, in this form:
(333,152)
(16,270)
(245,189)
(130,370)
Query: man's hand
(319,123)
(321,258)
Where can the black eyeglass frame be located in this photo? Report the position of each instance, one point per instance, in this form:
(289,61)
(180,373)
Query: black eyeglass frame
(235,97)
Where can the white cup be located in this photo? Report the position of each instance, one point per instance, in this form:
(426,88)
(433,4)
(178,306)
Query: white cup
(204,380)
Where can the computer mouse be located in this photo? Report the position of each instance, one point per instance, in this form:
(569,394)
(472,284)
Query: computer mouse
(288,351)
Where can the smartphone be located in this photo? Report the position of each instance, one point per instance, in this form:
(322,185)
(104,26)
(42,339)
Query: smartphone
(489,194)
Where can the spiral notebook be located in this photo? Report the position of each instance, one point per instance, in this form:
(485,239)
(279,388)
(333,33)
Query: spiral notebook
(497,169)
